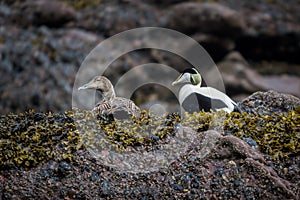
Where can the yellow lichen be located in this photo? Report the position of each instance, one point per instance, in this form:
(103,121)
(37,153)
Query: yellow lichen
(30,138)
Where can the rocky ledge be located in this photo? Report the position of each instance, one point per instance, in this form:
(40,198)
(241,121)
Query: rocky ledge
(254,155)
(43,43)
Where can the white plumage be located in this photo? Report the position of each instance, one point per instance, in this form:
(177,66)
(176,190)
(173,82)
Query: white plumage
(196,96)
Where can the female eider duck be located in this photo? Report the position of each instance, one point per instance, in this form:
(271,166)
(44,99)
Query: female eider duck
(120,107)
(196,96)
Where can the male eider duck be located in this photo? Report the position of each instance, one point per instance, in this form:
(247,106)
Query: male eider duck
(110,104)
(196,96)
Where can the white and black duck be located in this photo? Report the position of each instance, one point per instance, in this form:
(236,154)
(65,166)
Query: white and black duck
(195,95)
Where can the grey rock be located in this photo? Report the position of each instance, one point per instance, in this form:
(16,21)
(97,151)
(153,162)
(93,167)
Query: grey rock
(212,18)
(239,76)
(216,46)
(269,102)
(42,12)
(113,18)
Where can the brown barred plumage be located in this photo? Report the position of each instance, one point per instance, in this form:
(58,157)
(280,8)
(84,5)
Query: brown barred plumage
(110,103)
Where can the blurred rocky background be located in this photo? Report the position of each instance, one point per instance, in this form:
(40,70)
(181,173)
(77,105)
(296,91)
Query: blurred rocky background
(256,45)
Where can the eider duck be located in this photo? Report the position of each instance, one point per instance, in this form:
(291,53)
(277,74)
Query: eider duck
(120,107)
(195,96)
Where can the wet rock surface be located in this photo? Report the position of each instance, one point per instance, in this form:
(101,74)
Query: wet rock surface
(215,164)
(244,156)
(43,44)
(270,102)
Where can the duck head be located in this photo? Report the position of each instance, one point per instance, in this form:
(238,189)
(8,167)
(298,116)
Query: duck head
(102,84)
(189,76)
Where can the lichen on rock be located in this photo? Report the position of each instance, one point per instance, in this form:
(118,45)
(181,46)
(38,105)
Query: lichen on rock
(30,138)
(51,149)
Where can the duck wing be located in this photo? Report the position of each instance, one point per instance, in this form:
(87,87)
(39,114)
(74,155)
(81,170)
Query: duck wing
(194,98)
(126,105)
(119,107)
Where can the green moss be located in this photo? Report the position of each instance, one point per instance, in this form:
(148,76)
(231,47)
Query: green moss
(297,109)
(277,134)
(30,138)
(202,121)
(119,134)
(2,39)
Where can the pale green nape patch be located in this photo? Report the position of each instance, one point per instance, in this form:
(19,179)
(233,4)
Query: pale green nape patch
(196,79)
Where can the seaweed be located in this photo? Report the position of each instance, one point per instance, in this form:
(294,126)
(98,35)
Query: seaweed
(277,134)
(30,138)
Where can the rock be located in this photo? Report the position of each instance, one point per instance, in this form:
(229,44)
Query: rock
(285,83)
(113,18)
(42,12)
(205,163)
(260,22)
(53,56)
(160,3)
(64,169)
(269,102)
(213,25)
(44,75)
(264,30)
(212,18)
(272,31)
(237,75)
(80,35)
(251,142)
(240,77)
(169,59)
(230,168)
(216,46)
(5,12)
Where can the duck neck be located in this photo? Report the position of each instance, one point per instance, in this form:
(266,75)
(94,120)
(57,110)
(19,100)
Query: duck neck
(108,92)
(203,84)
(200,84)
(109,95)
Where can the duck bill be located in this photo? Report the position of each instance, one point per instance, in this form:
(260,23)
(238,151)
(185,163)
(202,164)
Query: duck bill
(176,81)
(182,78)
(87,86)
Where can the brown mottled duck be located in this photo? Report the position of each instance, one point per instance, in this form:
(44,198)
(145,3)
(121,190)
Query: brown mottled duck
(120,107)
